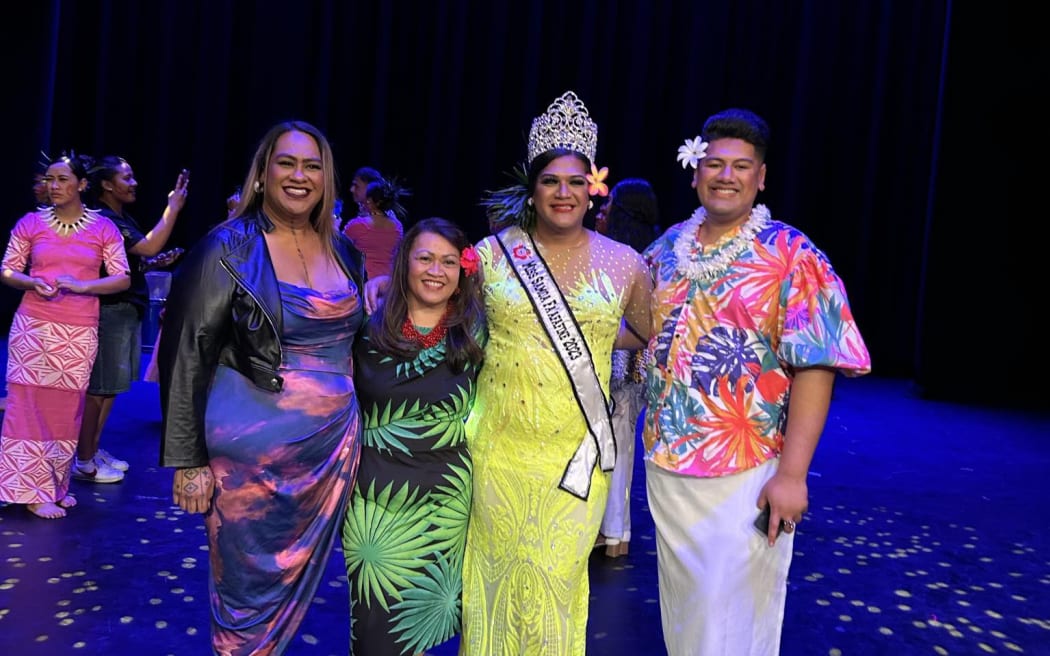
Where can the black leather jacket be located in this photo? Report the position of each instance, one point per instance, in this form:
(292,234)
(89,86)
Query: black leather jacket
(224,308)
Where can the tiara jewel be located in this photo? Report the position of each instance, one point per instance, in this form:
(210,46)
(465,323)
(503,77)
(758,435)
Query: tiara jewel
(566,124)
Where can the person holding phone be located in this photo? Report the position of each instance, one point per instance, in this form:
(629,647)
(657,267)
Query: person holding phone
(113,187)
(747,314)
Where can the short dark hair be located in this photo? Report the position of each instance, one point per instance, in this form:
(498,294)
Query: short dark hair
(738,123)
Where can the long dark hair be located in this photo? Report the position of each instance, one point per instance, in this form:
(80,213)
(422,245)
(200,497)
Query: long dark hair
(322,213)
(466,314)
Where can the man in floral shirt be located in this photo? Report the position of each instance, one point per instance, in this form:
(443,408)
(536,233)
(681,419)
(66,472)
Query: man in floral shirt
(747,313)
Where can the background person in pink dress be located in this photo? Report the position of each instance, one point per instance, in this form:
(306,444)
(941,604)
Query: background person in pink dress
(359,186)
(379,231)
(54,336)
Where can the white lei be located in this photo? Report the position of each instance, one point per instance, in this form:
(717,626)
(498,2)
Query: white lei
(690,259)
(66,229)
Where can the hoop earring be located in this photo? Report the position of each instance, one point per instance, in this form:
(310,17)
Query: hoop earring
(258,186)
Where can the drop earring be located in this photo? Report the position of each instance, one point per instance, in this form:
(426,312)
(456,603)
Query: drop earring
(590,204)
(529,202)
(258,186)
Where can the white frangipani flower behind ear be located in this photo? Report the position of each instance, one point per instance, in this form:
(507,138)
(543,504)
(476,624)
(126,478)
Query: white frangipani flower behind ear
(690,153)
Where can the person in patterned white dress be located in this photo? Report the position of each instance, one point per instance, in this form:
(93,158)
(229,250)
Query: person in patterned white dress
(631,215)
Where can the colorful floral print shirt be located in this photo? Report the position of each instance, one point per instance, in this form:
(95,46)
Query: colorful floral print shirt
(724,351)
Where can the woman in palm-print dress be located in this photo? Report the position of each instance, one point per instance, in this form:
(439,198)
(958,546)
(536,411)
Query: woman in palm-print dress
(415,370)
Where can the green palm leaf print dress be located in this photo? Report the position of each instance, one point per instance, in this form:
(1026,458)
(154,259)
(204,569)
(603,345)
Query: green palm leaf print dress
(404,533)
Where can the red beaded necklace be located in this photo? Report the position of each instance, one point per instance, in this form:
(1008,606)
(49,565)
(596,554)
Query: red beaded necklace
(431,339)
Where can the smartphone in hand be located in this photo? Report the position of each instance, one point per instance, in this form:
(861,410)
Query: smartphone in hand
(762,523)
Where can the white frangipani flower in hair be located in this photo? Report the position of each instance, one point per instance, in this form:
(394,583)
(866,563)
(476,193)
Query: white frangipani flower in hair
(690,153)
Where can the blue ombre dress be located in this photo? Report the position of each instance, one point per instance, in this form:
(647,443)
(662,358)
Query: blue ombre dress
(284,466)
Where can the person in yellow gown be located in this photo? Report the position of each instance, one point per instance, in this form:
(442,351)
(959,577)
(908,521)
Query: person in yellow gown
(558,297)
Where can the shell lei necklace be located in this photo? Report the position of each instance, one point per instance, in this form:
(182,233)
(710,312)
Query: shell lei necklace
(690,258)
(65,229)
(431,339)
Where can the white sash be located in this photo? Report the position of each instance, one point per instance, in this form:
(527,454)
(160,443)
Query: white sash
(598,446)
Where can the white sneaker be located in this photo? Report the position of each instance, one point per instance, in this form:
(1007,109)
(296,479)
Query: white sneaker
(94,471)
(106,458)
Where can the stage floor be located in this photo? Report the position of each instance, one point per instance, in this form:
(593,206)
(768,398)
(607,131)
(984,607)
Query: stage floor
(926,535)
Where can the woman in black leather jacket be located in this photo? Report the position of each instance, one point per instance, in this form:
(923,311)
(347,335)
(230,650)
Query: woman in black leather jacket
(260,415)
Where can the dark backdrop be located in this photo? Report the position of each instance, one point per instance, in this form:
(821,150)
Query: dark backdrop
(878,110)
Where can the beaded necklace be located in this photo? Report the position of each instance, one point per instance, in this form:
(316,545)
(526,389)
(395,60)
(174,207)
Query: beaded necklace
(692,259)
(429,340)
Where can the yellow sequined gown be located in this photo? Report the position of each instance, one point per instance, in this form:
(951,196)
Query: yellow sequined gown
(525,586)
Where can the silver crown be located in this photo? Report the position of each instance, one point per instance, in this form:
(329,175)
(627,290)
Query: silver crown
(566,124)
